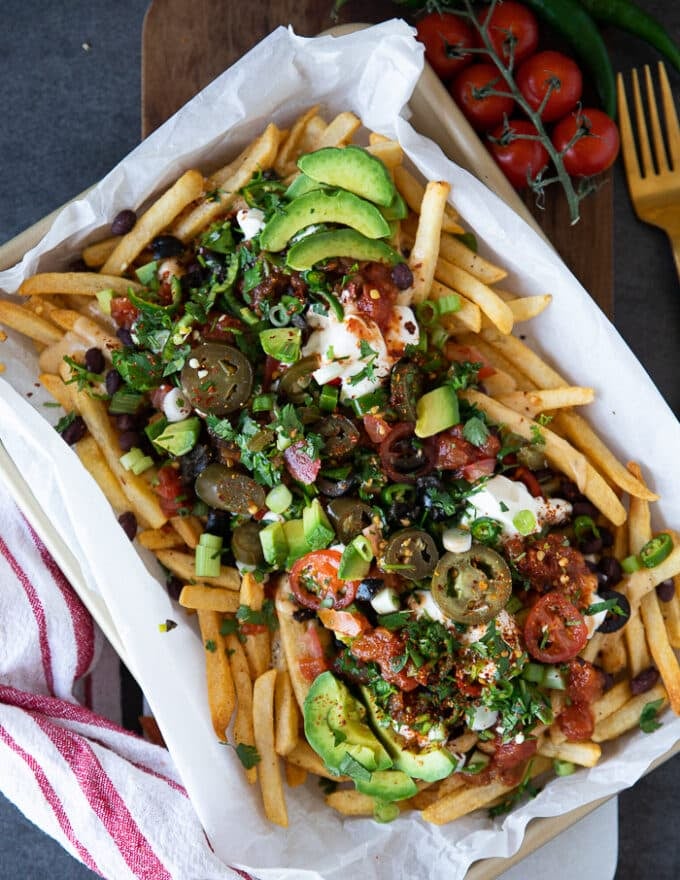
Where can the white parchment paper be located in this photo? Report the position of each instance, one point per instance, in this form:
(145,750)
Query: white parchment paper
(372,73)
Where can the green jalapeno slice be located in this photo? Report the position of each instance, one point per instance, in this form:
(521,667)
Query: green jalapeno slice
(472,587)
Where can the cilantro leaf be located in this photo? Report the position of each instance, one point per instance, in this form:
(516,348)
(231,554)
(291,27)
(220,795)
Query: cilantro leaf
(349,766)
(141,370)
(65,422)
(648,719)
(248,755)
(475,431)
(606,605)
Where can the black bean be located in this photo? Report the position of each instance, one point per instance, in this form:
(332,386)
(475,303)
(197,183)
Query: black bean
(78,265)
(644,681)
(129,439)
(666,590)
(166,246)
(570,492)
(591,566)
(126,422)
(614,621)
(128,522)
(607,680)
(590,545)
(125,337)
(219,523)
(368,588)
(584,508)
(402,276)
(75,431)
(113,381)
(174,586)
(611,568)
(606,536)
(94,360)
(123,222)
(303,614)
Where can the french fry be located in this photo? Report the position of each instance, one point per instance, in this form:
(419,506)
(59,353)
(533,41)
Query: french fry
(288,150)
(221,692)
(161,213)
(469,315)
(350,802)
(243,722)
(613,655)
(531,403)
(189,528)
(88,330)
(641,582)
(286,714)
(25,321)
(182,565)
(295,775)
(303,755)
(83,283)
(311,135)
(432,793)
(671,614)
(97,253)
(611,701)
(257,645)
(525,308)
(339,131)
(390,153)
(206,598)
(454,251)
(497,311)
(55,385)
(628,716)
(557,451)
(585,754)
(93,460)
(259,156)
(51,359)
(160,539)
(413,192)
(268,769)
(423,257)
(464,800)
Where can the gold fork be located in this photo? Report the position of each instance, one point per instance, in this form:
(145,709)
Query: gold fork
(653,182)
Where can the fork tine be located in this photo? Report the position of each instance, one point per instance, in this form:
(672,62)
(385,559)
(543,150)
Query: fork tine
(657,136)
(643,137)
(672,125)
(626,131)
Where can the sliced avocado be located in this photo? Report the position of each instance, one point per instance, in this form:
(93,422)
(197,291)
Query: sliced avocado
(178,438)
(388,785)
(352,168)
(320,206)
(436,411)
(301,185)
(317,529)
(430,764)
(397,208)
(321,246)
(297,545)
(336,730)
(274,544)
(353,564)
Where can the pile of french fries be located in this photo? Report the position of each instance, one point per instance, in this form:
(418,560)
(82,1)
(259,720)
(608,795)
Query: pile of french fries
(255,689)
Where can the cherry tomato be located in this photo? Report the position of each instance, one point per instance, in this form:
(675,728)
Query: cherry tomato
(381,646)
(314,578)
(554,71)
(520,159)
(585,682)
(312,660)
(510,754)
(595,150)
(171,493)
(576,722)
(524,475)
(483,113)
(511,21)
(445,37)
(554,629)
(344,622)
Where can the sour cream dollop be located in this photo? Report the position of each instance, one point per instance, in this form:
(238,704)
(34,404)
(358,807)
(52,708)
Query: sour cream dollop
(505,501)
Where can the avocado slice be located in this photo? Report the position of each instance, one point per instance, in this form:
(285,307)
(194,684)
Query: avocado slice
(430,764)
(320,246)
(320,206)
(436,411)
(397,208)
(336,730)
(388,785)
(352,168)
(301,185)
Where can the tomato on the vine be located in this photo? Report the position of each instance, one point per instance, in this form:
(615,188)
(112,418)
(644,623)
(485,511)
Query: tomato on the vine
(595,150)
(520,159)
(511,25)
(482,112)
(445,38)
(554,72)
(554,630)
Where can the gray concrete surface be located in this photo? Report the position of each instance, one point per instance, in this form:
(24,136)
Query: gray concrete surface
(70,97)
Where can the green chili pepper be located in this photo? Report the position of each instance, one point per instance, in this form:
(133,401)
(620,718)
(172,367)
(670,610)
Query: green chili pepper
(485,530)
(655,551)
(571,20)
(630,17)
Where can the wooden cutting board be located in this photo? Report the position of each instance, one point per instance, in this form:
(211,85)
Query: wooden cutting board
(185,45)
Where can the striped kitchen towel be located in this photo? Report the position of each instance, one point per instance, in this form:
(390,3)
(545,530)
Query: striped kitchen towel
(111,799)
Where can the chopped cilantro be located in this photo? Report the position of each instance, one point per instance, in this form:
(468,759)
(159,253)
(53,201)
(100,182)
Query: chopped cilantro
(81,375)
(537,437)
(247,755)
(210,645)
(475,431)
(141,370)
(648,719)
(265,617)
(66,422)
(610,605)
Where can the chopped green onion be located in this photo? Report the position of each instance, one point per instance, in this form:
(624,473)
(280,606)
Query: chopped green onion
(438,336)
(104,298)
(485,530)
(263,403)
(248,317)
(630,564)
(279,316)
(514,605)
(375,400)
(125,401)
(279,499)
(553,678)
(427,313)
(214,542)
(563,768)
(525,522)
(447,304)
(208,556)
(136,461)
(585,525)
(328,399)
(533,672)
